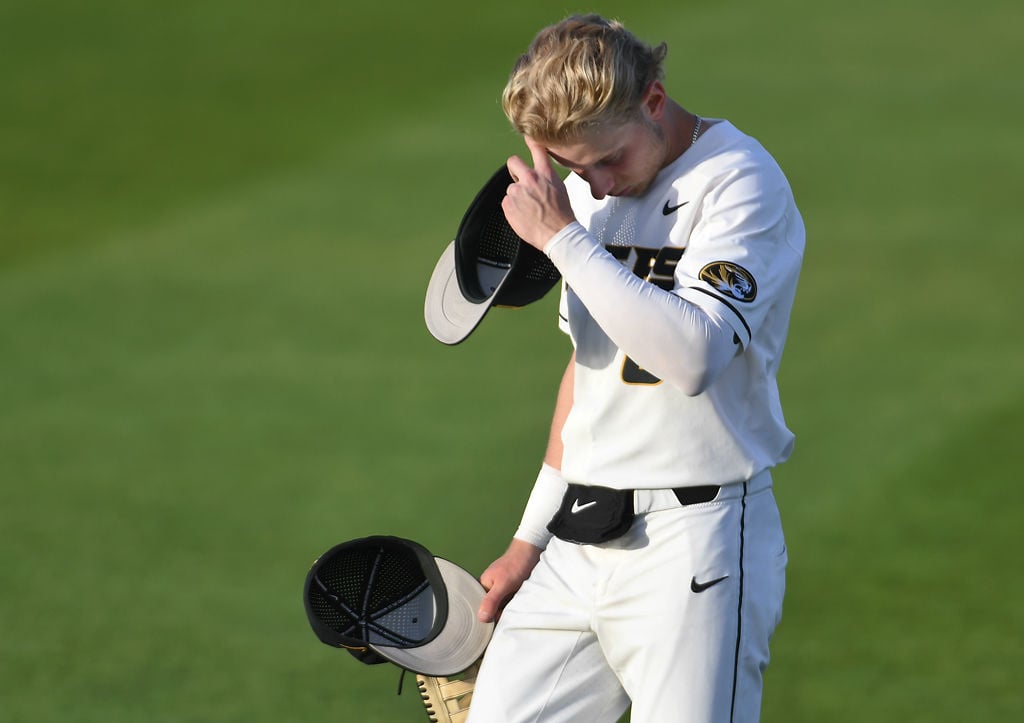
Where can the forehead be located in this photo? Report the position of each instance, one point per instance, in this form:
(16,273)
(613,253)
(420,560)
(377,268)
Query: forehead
(596,146)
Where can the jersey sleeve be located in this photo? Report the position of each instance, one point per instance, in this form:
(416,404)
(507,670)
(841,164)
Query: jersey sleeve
(663,333)
(745,248)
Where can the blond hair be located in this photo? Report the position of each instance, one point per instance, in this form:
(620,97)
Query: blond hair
(579,75)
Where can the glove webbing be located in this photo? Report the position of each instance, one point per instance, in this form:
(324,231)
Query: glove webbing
(447,698)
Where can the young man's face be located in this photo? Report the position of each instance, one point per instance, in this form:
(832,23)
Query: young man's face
(621,161)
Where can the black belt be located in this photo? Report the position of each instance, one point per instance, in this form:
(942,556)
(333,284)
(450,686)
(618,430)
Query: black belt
(592,514)
(696,495)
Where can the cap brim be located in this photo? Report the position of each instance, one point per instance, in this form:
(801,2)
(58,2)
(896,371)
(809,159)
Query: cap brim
(450,316)
(463,638)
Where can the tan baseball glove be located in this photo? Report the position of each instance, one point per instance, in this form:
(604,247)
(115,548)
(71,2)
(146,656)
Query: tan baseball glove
(447,698)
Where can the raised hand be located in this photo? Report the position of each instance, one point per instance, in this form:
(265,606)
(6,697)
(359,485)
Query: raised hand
(537,204)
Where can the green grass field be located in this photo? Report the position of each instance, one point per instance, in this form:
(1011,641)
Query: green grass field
(217,220)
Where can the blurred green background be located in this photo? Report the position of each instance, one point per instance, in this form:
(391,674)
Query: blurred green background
(217,220)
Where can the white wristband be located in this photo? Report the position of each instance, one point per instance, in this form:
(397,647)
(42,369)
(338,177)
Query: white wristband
(544,502)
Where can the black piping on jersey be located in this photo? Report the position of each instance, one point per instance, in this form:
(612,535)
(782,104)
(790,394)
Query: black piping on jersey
(734,309)
(739,611)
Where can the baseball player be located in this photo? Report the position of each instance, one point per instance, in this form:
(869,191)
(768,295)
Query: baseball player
(649,566)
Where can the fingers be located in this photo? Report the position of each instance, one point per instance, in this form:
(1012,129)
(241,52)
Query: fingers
(499,588)
(504,576)
(541,163)
(517,168)
(489,606)
(493,602)
(541,160)
(536,204)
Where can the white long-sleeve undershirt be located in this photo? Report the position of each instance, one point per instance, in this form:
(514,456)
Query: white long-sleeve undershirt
(670,337)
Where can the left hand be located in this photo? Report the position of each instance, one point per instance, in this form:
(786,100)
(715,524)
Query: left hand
(537,204)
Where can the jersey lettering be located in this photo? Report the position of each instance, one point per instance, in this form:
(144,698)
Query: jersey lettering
(658,266)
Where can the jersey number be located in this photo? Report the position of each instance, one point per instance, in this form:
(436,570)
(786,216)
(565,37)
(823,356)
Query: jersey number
(633,373)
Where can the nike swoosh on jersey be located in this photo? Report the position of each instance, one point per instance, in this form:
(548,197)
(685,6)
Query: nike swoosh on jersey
(668,210)
(577,507)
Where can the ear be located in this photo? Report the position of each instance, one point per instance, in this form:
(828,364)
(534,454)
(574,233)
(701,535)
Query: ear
(654,100)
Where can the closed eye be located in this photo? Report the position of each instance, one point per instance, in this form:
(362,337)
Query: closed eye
(609,161)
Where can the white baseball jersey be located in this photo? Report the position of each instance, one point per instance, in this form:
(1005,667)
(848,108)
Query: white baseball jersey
(718,228)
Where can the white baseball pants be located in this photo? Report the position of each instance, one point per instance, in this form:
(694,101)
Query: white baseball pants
(674,618)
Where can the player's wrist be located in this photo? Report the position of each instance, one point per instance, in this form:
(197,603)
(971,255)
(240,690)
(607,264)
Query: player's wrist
(560,237)
(524,551)
(544,500)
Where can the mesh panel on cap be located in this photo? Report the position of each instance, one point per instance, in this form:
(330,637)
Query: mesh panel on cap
(499,245)
(498,242)
(492,263)
(375,594)
(542,270)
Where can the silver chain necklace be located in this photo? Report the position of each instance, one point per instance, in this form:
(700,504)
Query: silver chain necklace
(696,130)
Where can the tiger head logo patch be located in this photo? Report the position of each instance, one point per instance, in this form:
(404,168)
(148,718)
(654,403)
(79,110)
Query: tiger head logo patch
(730,279)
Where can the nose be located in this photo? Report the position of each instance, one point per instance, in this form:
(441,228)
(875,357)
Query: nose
(601,182)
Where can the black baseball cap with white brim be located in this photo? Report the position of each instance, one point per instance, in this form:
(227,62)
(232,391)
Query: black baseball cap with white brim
(486,265)
(387,599)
